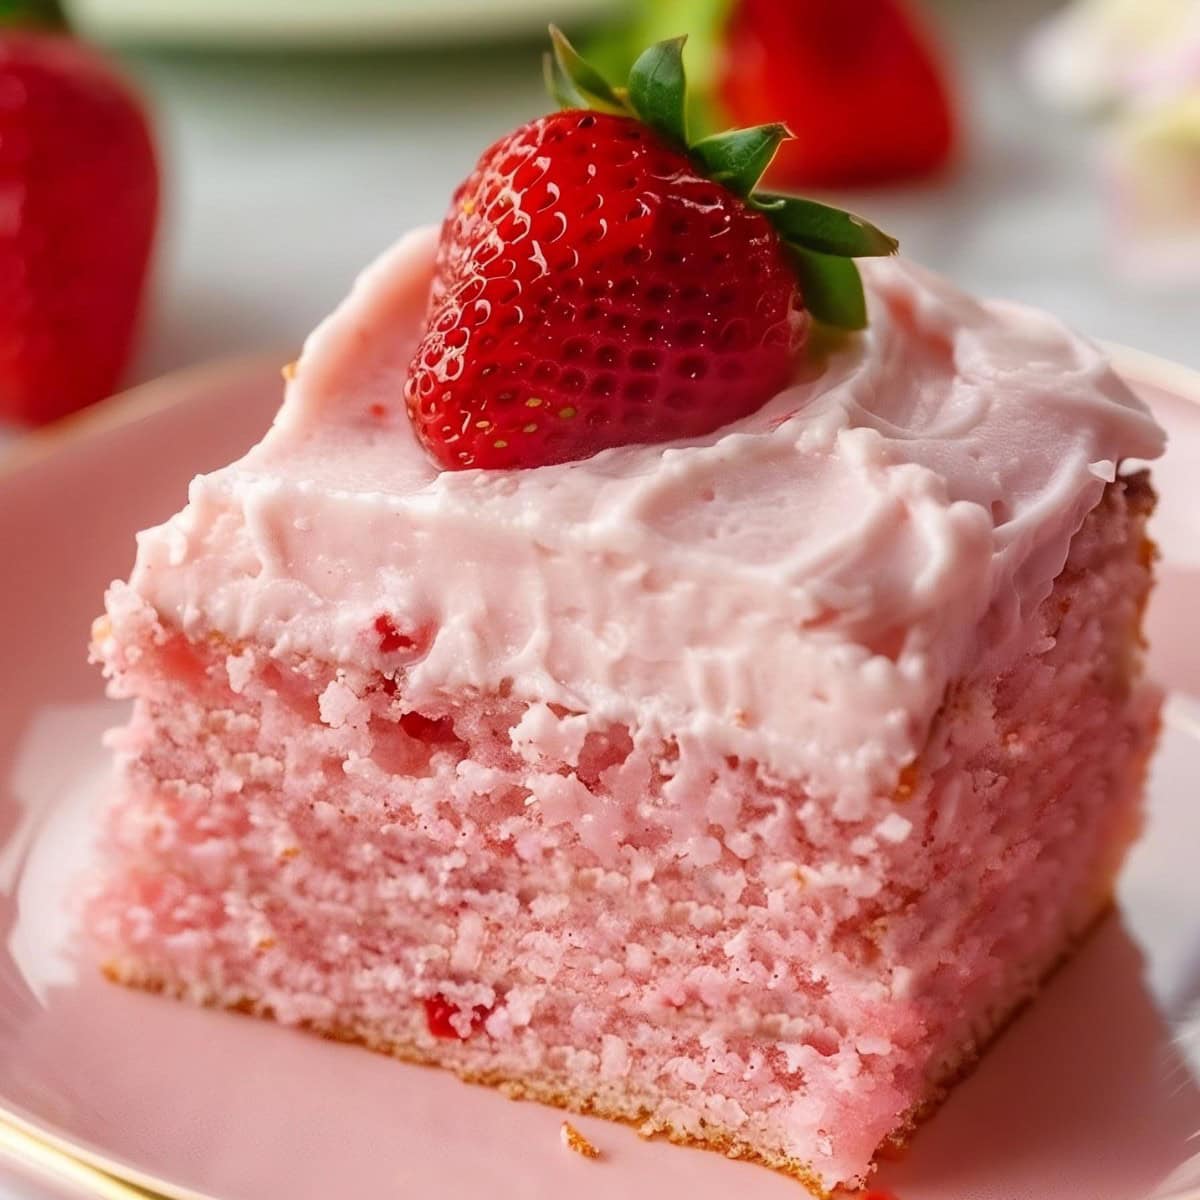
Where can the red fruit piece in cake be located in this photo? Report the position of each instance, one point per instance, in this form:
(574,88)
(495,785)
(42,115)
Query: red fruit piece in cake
(436,731)
(601,281)
(391,639)
(858,80)
(443,1018)
(78,168)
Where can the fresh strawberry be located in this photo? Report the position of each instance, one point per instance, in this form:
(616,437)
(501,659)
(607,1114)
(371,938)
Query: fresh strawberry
(858,80)
(602,281)
(80,194)
(595,288)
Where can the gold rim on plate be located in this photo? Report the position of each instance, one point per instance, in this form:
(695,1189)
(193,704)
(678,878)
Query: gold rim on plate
(51,1162)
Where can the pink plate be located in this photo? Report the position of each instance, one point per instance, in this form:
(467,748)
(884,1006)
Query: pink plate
(1092,1095)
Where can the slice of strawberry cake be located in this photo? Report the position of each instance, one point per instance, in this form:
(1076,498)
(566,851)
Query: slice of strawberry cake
(612,682)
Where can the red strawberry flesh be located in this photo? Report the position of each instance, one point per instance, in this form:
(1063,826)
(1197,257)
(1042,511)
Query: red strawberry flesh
(80,187)
(858,82)
(440,1014)
(594,289)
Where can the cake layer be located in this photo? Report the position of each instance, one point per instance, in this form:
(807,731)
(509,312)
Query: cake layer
(538,895)
(798,588)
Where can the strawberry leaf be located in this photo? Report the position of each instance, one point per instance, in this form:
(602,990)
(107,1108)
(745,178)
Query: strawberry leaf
(615,47)
(814,226)
(658,89)
(586,84)
(738,158)
(560,87)
(832,288)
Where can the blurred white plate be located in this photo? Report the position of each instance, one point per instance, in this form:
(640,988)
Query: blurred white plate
(323,22)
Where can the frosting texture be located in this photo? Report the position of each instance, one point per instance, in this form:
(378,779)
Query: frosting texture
(798,588)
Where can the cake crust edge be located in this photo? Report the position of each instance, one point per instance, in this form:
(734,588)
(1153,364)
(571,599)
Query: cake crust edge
(718,1140)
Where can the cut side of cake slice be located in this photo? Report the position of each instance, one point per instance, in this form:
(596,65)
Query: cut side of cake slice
(740,788)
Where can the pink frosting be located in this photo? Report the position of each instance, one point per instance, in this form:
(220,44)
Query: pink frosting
(798,588)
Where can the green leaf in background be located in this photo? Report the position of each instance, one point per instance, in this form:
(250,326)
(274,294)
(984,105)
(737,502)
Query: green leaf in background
(832,289)
(658,89)
(614,50)
(738,158)
(36,14)
(586,83)
(819,227)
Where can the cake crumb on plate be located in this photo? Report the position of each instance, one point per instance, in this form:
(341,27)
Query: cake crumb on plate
(574,1140)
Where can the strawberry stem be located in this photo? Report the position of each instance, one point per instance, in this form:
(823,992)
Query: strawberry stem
(824,240)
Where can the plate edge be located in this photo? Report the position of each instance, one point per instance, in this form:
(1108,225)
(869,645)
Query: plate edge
(130,406)
(58,1157)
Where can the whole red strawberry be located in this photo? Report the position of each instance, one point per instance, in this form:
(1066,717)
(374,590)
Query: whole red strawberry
(78,202)
(600,281)
(858,80)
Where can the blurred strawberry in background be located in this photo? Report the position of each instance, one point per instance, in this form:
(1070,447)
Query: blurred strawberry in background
(78,207)
(859,82)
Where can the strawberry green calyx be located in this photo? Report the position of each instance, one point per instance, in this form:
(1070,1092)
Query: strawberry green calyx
(824,241)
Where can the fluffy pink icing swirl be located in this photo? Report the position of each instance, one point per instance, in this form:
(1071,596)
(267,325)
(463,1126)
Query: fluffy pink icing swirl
(798,588)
